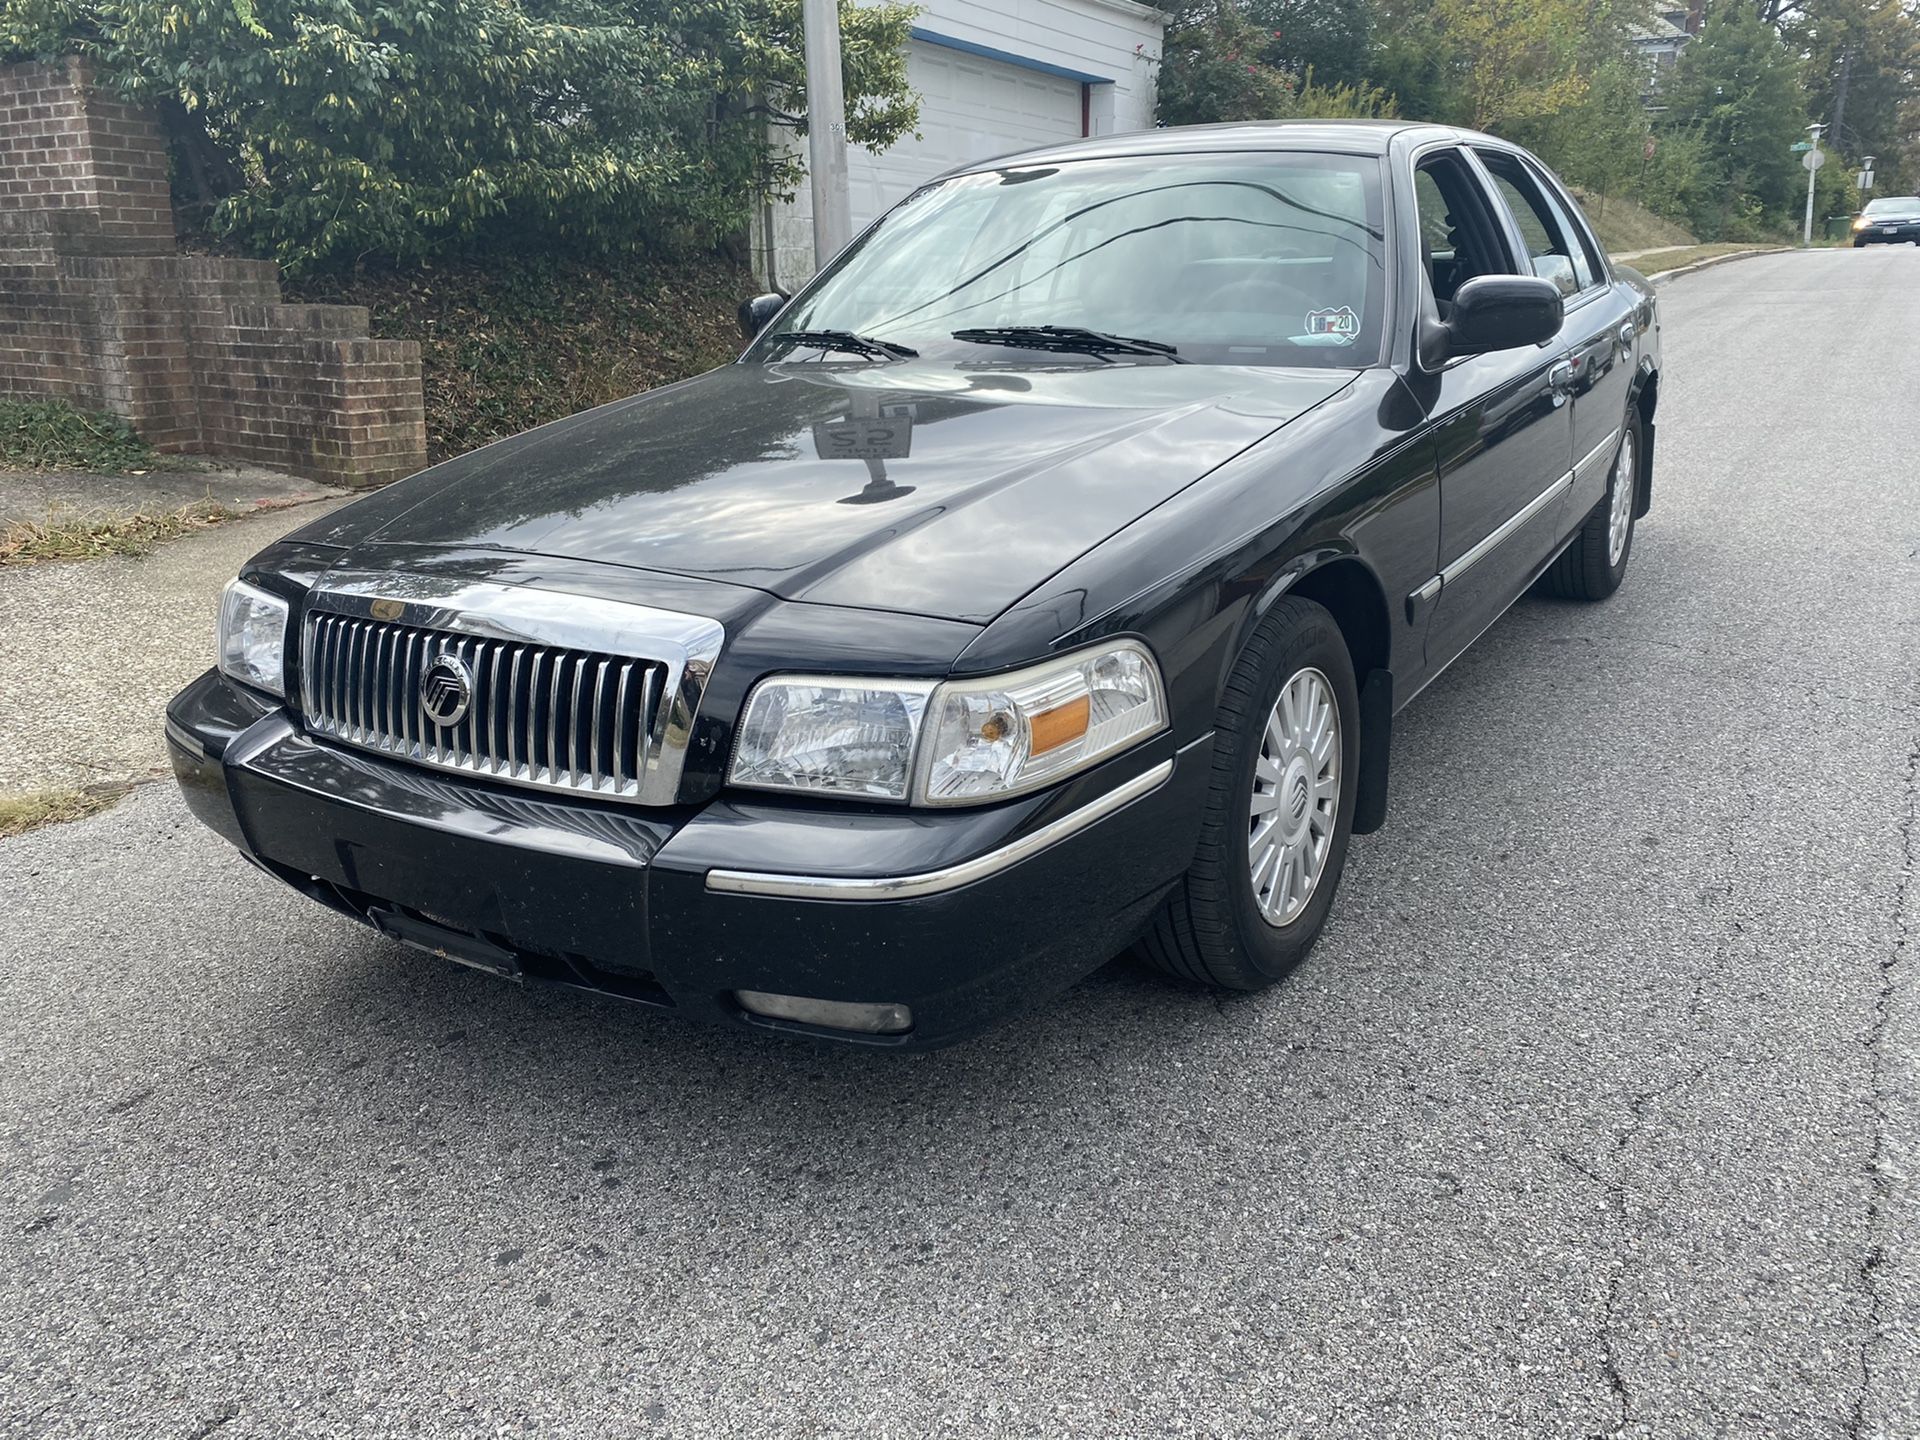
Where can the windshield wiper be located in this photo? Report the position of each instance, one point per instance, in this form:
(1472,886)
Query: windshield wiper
(847,342)
(1067,339)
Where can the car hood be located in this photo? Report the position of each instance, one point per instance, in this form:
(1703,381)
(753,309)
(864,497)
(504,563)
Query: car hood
(933,489)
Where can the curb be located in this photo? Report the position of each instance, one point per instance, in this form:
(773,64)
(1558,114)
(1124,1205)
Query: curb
(1665,275)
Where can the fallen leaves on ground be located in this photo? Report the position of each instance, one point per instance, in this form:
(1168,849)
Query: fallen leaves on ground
(87,535)
(21,813)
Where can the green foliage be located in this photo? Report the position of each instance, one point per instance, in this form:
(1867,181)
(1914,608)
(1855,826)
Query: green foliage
(1834,192)
(1517,59)
(1674,183)
(1863,74)
(1737,88)
(323,130)
(1328,38)
(53,435)
(1353,101)
(1565,78)
(1598,142)
(509,342)
(1213,67)
(1218,64)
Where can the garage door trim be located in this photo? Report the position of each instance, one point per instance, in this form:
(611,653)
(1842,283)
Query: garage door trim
(1006,57)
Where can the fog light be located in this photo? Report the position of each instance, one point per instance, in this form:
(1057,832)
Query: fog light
(835,1014)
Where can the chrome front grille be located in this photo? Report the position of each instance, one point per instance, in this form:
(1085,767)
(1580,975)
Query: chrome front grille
(557,718)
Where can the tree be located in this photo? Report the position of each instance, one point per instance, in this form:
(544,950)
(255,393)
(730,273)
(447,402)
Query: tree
(322,130)
(1738,89)
(1519,58)
(1862,72)
(1332,39)
(1213,67)
(1598,139)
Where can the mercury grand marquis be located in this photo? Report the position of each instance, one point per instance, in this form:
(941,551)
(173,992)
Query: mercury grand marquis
(1042,580)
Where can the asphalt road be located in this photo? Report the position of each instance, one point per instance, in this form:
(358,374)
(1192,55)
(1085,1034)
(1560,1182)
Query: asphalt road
(1594,1112)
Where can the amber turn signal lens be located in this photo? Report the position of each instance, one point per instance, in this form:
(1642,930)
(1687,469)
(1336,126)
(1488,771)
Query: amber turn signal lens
(1060,726)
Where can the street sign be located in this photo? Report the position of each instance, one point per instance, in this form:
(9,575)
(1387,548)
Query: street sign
(1646,150)
(1814,159)
(1802,145)
(1864,180)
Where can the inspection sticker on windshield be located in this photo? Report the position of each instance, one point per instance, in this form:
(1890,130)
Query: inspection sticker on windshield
(1340,327)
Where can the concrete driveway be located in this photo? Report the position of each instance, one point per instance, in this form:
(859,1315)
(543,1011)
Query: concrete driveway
(1594,1113)
(92,650)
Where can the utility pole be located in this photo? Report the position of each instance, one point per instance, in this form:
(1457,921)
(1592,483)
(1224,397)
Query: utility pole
(826,130)
(1840,100)
(1813,161)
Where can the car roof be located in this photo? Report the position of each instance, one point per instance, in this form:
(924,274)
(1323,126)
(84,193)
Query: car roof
(1340,137)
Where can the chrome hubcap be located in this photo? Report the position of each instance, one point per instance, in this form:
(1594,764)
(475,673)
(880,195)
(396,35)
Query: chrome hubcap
(1296,797)
(1620,515)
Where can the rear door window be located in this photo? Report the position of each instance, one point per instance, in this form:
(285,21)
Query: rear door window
(1554,249)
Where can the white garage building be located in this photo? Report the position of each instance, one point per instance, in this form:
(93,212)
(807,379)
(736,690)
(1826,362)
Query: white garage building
(992,76)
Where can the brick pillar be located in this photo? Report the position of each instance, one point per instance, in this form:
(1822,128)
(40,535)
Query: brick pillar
(68,145)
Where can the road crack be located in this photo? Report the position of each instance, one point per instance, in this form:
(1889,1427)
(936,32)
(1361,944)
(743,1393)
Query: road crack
(1879,1187)
(1611,1364)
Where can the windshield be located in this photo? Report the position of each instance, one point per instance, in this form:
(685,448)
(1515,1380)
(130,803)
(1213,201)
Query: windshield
(1240,259)
(1894,205)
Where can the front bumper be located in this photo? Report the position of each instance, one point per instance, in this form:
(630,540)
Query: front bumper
(963,915)
(1905,233)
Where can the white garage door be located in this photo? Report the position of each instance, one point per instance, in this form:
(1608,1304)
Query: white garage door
(970,108)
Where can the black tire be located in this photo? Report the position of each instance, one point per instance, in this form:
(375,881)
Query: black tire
(1211,929)
(1586,569)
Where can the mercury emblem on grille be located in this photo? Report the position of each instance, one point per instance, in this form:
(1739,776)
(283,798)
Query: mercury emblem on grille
(446,689)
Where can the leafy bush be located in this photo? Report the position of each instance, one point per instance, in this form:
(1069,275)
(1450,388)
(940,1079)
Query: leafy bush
(53,435)
(1212,68)
(508,343)
(1217,64)
(1738,89)
(319,130)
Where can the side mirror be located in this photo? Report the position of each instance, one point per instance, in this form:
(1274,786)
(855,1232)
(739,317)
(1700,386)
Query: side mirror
(755,314)
(1493,312)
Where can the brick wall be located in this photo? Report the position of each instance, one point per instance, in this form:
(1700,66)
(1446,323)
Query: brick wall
(97,307)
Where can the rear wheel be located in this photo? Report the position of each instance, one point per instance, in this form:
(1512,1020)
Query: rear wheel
(1279,812)
(1594,563)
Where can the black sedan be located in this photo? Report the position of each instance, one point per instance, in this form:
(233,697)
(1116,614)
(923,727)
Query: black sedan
(1043,579)
(1892,220)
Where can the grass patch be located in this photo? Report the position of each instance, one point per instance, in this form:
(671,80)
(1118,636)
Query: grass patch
(74,535)
(21,813)
(511,342)
(1683,255)
(53,435)
(1623,226)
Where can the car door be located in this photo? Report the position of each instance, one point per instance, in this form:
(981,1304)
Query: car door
(1502,427)
(1599,334)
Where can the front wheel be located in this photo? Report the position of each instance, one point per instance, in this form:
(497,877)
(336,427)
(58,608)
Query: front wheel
(1279,810)
(1594,563)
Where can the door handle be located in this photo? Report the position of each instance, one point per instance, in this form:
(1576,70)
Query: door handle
(1560,378)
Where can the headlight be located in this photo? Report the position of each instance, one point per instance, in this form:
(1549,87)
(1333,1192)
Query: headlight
(253,637)
(960,742)
(843,737)
(1861,223)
